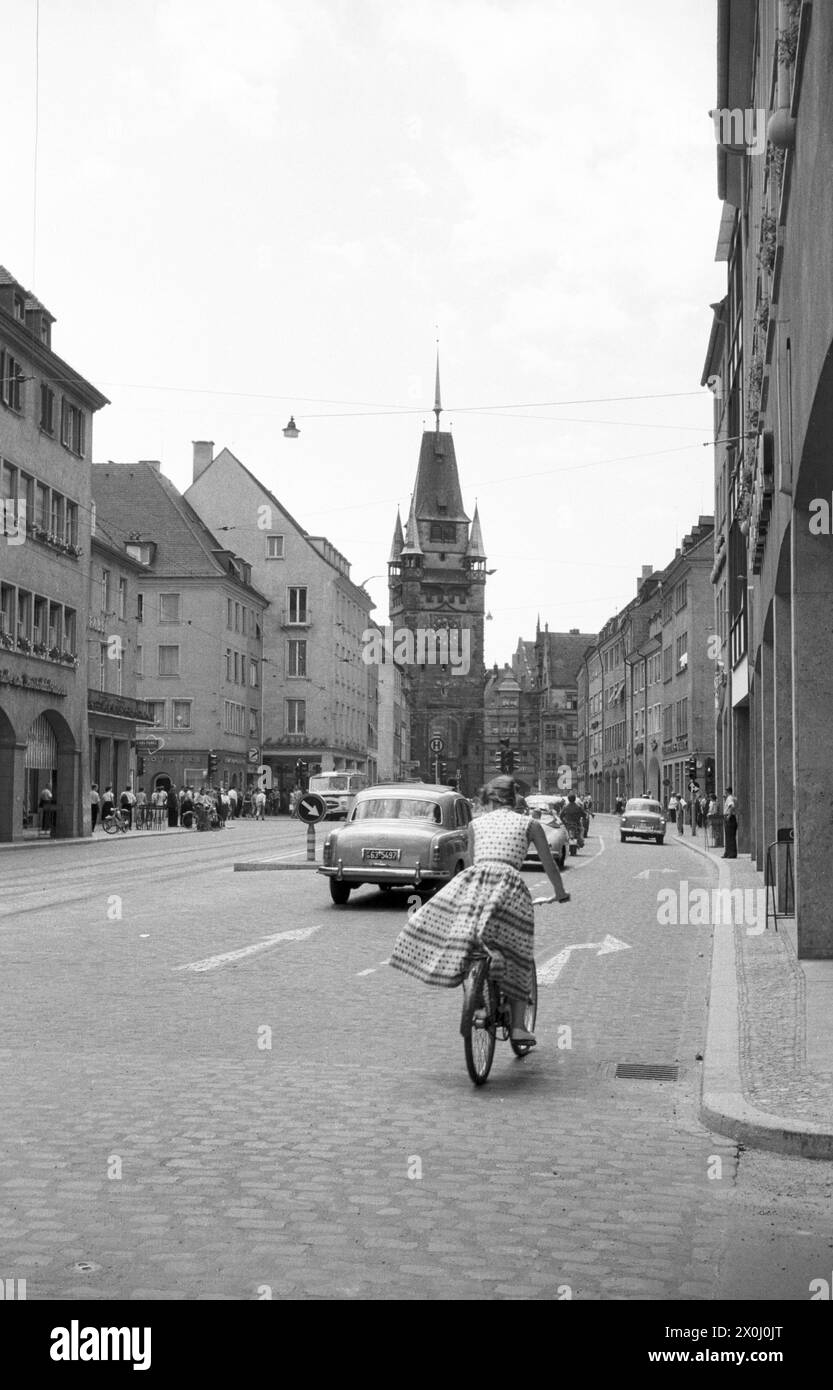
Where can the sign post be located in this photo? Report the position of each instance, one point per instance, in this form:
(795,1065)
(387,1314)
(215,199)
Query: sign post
(436,745)
(311,809)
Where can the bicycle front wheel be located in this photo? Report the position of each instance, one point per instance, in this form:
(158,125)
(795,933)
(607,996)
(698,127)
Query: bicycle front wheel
(477,1024)
(520,1049)
(111,826)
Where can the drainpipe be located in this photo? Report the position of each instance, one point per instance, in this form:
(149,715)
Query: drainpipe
(781,125)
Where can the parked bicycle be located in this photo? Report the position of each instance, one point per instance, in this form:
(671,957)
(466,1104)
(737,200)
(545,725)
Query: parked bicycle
(114,822)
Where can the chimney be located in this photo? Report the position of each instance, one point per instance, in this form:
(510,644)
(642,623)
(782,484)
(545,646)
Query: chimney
(203,455)
(647,571)
(574,632)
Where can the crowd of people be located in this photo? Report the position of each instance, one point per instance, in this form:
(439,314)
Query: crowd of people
(187,807)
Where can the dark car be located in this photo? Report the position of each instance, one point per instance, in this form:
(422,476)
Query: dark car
(643,820)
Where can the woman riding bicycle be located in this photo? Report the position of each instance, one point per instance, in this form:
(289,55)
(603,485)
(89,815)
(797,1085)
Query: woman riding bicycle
(487,904)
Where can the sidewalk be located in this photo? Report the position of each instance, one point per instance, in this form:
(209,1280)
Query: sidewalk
(768,1069)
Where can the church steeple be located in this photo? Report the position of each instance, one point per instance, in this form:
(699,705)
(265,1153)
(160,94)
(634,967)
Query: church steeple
(412,546)
(475,549)
(438,405)
(397,542)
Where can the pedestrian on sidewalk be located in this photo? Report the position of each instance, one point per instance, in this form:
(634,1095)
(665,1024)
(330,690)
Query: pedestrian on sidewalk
(127,801)
(108,802)
(141,809)
(259,803)
(730,821)
(95,802)
(46,808)
(681,810)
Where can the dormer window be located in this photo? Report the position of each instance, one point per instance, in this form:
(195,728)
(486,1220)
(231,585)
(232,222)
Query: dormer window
(143,551)
(20,308)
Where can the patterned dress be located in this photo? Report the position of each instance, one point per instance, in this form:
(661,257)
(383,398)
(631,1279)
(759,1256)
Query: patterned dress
(488,903)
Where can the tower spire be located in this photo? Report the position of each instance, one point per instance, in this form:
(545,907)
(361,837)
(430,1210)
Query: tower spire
(438,405)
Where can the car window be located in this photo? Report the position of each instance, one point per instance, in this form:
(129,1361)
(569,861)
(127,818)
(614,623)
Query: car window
(643,808)
(397,808)
(462,813)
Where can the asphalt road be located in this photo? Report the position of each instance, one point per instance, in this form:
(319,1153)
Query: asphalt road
(214,1087)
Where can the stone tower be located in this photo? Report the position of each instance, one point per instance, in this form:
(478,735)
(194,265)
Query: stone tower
(437,581)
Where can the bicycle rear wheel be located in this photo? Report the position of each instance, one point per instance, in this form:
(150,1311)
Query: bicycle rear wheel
(477,1023)
(521,1049)
(111,825)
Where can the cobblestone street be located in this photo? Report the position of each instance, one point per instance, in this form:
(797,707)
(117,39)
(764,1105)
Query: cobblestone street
(298,1120)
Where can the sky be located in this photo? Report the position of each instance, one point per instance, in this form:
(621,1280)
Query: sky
(238,213)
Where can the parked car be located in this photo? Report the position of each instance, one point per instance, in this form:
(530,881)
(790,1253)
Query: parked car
(399,835)
(557,838)
(642,819)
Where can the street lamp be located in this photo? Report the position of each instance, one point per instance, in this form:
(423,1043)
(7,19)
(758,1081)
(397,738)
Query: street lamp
(291,430)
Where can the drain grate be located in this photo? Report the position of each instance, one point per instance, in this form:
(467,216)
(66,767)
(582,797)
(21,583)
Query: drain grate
(646,1071)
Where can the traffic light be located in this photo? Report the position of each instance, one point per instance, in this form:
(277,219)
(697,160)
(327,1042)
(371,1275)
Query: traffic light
(709,775)
(510,761)
(443,771)
(212,765)
(692,769)
(504,760)
(140,767)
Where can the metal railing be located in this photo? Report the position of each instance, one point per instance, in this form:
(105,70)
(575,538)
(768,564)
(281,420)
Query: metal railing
(780,887)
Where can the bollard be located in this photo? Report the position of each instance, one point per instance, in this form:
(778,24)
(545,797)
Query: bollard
(311,843)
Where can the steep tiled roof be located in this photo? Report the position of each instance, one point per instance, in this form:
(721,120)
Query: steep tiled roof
(564,652)
(437,495)
(136,499)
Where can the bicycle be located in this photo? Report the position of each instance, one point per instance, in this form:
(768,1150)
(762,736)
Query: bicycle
(114,822)
(487,1015)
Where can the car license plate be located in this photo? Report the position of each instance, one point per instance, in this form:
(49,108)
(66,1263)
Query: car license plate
(380,856)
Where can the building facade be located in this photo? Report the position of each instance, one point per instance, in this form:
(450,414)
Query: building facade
(645,688)
(198,653)
(115,713)
(320,705)
(770,365)
(46,417)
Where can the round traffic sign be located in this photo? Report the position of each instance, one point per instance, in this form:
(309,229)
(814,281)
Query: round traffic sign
(311,808)
(437,744)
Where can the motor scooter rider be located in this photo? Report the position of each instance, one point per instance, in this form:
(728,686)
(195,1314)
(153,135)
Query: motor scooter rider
(575,818)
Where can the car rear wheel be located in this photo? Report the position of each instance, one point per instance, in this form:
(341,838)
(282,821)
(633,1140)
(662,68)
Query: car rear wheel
(339,892)
(660,839)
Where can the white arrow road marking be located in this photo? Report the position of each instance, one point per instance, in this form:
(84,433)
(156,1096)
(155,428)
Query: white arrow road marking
(212,962)
(549,972)
(693,878)
(582,864)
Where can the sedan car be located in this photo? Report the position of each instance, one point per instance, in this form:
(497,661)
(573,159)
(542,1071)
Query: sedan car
(642,819)
(399,835)
(558,838)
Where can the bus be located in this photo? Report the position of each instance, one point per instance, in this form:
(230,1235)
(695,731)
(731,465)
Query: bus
(339,791)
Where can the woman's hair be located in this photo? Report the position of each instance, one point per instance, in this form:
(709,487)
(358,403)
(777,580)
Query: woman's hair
(499,792)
